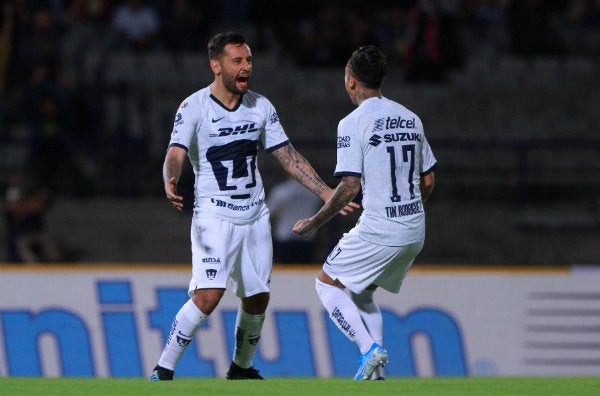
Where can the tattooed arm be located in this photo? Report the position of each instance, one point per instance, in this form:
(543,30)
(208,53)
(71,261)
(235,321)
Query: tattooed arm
(296,165)
(342,195)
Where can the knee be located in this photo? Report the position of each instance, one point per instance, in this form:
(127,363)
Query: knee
(256,304)
(207,299)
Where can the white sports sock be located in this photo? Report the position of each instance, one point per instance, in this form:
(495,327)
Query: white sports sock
(370,314)
(344,314)
(186,322)
(247,334)
(371,317)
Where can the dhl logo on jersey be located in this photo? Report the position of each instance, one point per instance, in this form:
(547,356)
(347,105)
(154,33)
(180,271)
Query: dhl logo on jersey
(238,130)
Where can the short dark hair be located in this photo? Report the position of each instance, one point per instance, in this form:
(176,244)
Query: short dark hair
(217,43)
(369,65)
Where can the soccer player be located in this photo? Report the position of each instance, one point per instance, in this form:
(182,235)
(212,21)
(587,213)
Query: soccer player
(219,129)
(381,148)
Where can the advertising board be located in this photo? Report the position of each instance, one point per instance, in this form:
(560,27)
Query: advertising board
(109,321)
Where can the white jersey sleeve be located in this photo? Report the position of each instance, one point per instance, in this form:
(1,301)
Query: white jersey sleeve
(222,146)
(349,147)
(384,143)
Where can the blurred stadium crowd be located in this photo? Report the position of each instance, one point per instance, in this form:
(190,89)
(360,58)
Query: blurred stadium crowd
(80,123)
(44,47)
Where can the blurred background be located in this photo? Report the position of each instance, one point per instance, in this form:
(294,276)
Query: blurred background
(507,91)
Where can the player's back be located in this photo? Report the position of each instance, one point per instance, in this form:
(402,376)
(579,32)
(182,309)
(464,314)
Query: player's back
(394,153)
(392,142)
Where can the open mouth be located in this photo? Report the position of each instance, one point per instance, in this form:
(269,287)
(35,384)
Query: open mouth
(242,82)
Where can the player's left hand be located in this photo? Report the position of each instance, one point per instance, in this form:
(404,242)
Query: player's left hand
(349,208)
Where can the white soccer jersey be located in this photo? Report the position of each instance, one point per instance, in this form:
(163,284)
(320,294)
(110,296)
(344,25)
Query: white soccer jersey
(384,143)
(222,146)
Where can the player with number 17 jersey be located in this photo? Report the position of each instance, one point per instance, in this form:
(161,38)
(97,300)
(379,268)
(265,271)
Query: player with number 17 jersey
(222,145)
(389,140)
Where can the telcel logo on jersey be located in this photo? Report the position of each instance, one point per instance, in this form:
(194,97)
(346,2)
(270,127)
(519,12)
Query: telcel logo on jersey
(238,130)
(393,123)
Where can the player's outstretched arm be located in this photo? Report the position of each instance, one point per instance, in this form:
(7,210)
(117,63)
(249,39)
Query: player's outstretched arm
(342,195)
(171,172)
(298,166)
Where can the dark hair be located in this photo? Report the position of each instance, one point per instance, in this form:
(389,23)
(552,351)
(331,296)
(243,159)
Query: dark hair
(369,65)
(217,43)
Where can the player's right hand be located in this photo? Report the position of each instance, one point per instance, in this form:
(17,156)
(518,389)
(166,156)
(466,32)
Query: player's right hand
(304,228)
(171,191)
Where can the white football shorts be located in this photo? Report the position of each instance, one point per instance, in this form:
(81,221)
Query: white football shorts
(236,255)
(358,263)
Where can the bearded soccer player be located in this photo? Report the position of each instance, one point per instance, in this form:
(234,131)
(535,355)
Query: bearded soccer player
(219,129)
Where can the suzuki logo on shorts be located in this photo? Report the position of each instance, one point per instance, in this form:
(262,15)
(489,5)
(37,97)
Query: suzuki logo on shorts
(211,273)
(238,130)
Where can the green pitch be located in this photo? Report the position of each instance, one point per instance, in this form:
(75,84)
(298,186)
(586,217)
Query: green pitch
(584,386)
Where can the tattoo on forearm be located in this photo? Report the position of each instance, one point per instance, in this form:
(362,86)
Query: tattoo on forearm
(343,194)
(299,167)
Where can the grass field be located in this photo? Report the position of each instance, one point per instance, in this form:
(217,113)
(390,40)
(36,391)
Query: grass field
(568,386)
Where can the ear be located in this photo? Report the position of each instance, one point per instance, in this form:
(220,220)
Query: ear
(351,82)
(215,66)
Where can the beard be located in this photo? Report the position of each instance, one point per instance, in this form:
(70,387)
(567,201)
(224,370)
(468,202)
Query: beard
(231,83)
